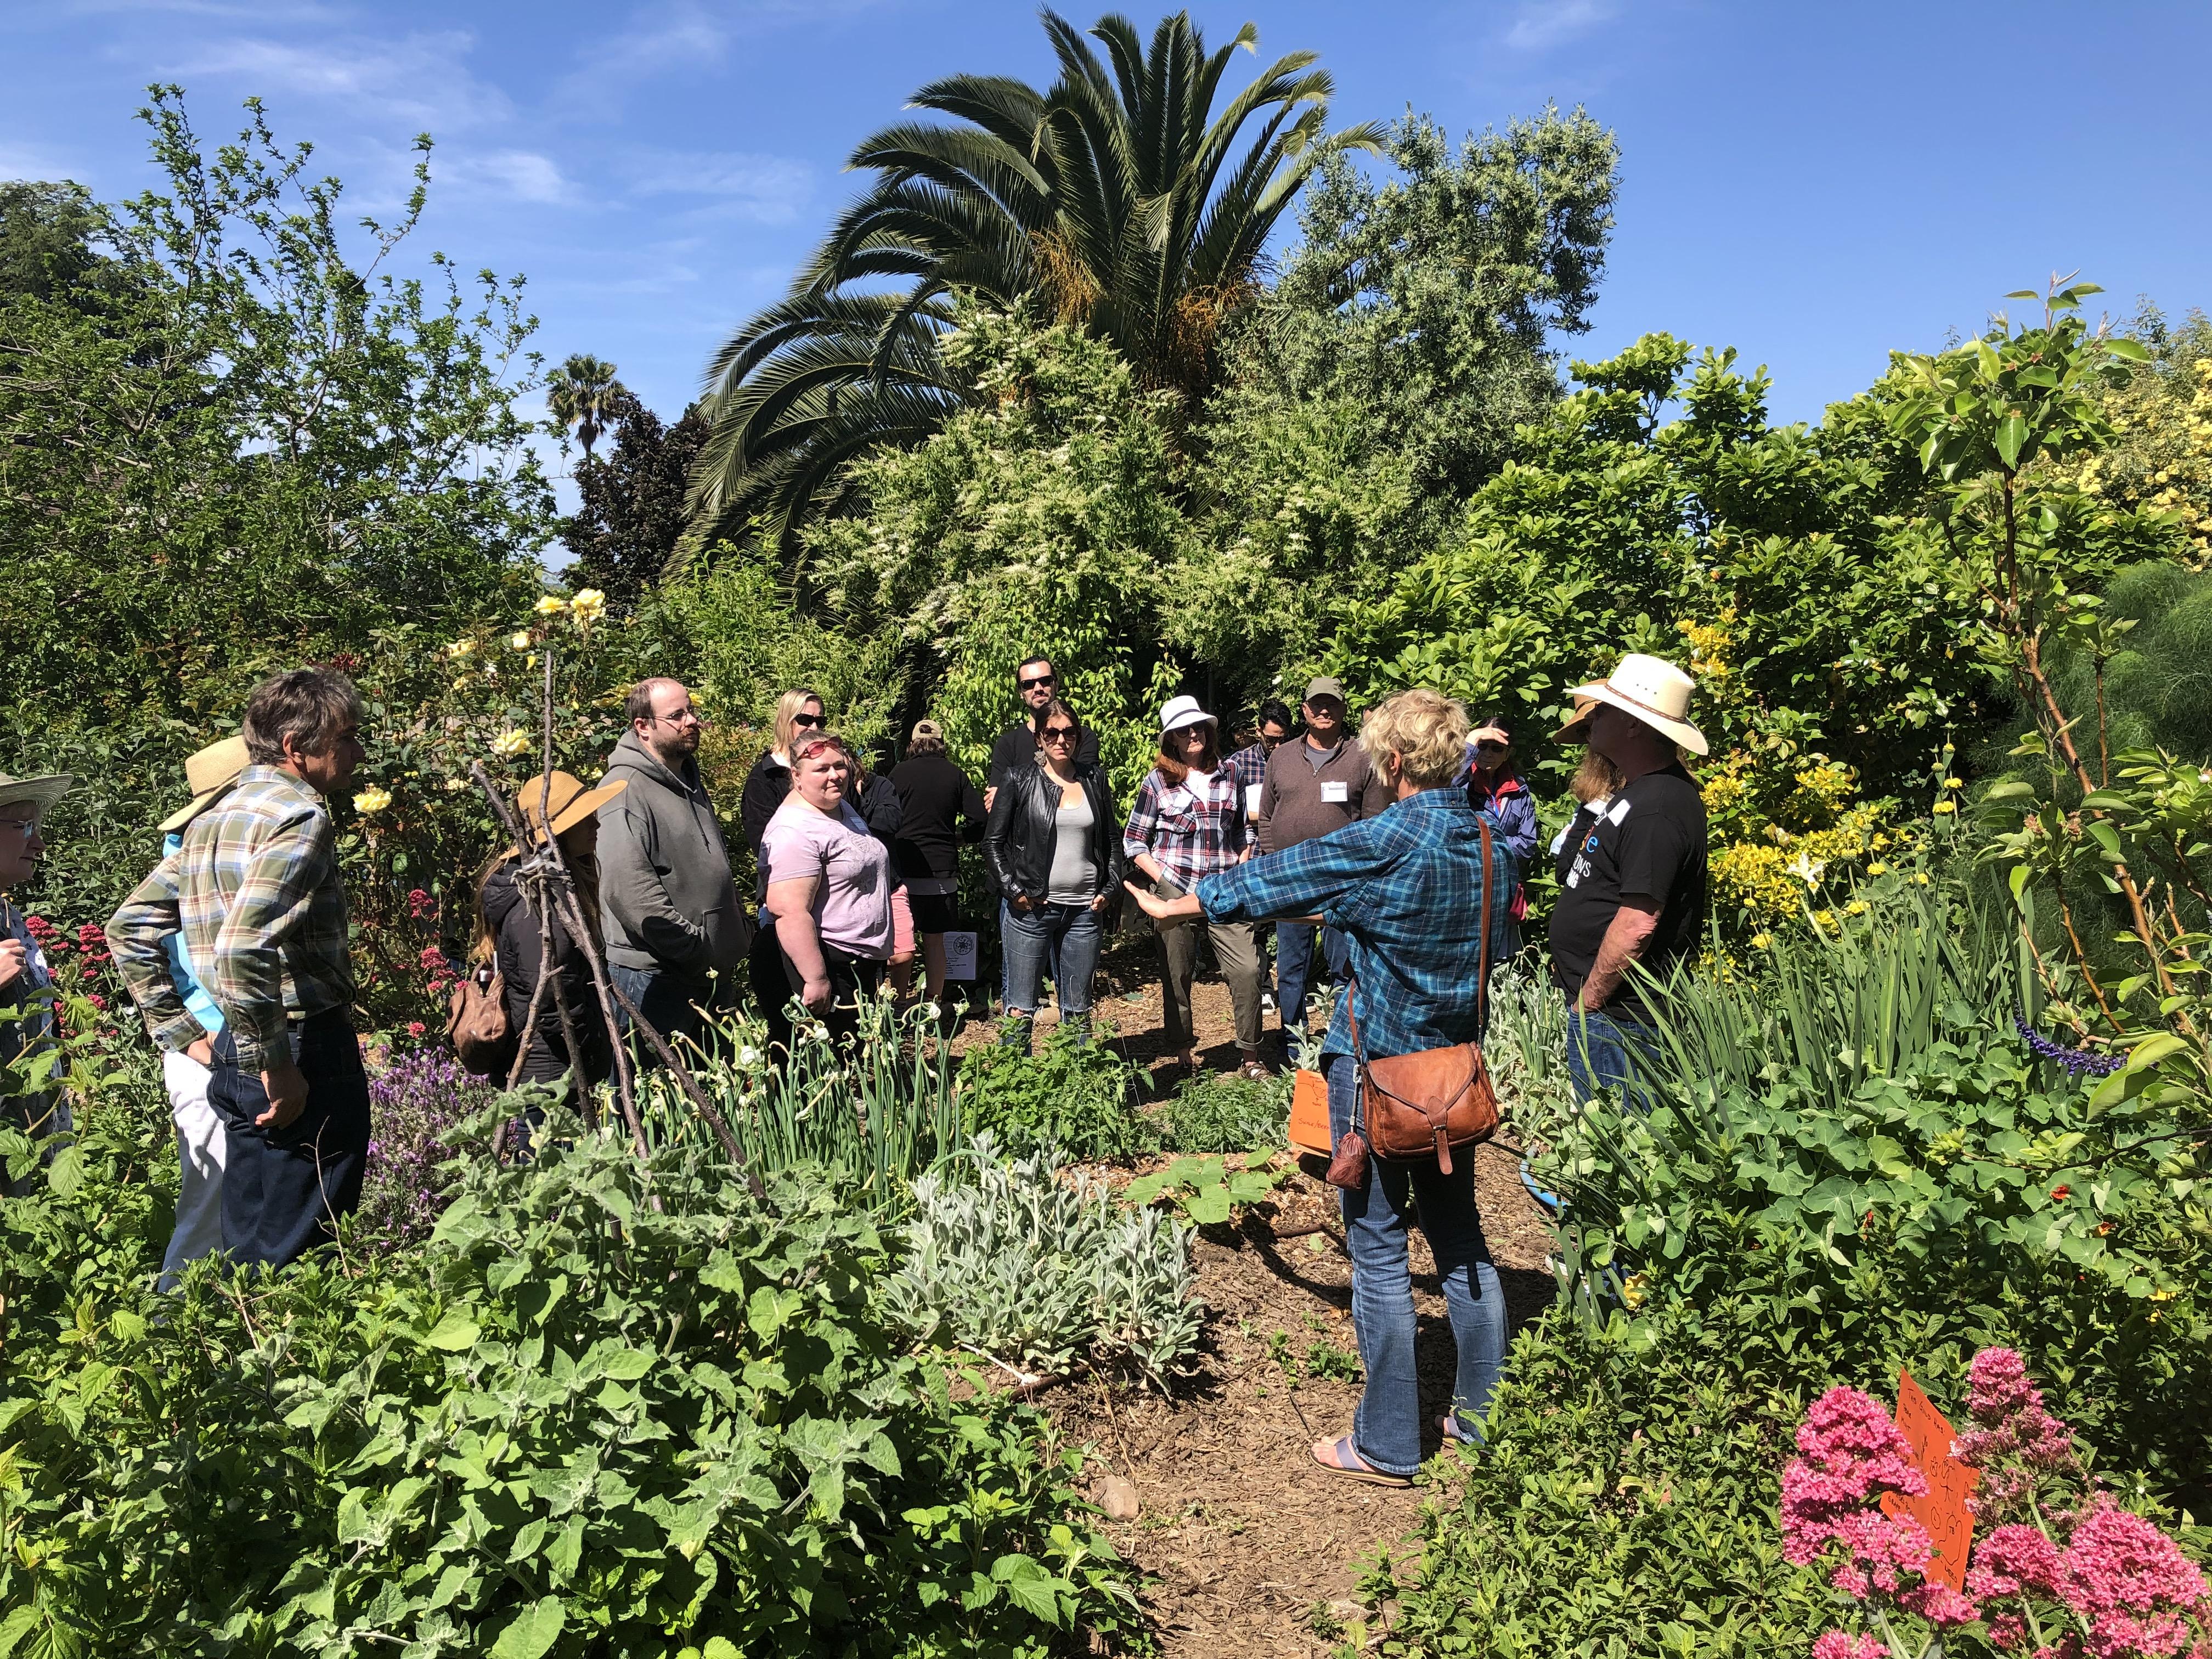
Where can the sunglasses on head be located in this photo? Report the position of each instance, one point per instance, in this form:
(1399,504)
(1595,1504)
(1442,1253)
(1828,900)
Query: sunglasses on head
(809,722)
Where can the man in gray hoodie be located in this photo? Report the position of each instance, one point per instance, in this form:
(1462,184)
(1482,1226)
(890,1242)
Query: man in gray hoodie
(675,930)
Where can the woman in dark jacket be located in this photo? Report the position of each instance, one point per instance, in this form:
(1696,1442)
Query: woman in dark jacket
(1053,842)
(796,711)
(509,939)
(938,809)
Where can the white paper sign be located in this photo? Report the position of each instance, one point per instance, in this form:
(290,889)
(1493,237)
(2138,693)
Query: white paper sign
(1336,794)
(960,955)
(1252,800)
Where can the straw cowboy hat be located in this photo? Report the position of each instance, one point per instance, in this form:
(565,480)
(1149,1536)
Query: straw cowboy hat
(208,774)
(1179,711)
(41,793)
(572,802)
(1648,689)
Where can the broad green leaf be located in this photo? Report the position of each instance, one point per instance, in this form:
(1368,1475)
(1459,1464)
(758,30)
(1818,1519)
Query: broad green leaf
(532,1631)
(2010,437)
(454,1334)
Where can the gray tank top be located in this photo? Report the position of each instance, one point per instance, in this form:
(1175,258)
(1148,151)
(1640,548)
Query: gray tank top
(1073,881)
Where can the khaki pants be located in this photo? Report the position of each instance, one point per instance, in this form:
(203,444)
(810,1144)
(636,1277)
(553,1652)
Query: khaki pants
(1235,947)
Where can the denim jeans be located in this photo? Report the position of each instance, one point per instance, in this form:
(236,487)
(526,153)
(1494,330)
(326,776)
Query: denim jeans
(284,1189)
(1294,975)
(1059,940)
(670,1004)
(1387,1428)
(1607,1053)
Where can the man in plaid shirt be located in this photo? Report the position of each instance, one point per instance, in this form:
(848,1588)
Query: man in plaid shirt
(255,890)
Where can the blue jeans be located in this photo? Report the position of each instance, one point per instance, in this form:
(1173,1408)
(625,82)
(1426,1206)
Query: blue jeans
(284,1189)
(1294,975)
(671,1004)
(1387,1428)
(1061,940)
(1607,1053)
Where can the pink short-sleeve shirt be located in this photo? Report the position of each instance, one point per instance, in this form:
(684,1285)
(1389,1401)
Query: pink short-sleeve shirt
(852,894)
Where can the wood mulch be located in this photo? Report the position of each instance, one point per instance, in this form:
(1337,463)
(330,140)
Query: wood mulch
(1242,1538)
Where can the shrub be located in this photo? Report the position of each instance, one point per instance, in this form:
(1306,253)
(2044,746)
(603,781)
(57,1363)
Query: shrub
(577,1421)
(1007,1259)
(1079,1099)
(416,1101)
(1225,1114)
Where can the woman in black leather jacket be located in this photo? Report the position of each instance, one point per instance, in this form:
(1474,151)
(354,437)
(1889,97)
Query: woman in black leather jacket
(1054,839)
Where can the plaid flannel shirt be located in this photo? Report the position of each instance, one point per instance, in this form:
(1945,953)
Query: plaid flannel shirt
(1405,888)
(1248,765)
(1191,828)
(256,893)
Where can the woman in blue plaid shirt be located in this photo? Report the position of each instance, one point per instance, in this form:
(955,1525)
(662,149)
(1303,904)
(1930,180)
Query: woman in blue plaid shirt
(1414,895)
(1188,823)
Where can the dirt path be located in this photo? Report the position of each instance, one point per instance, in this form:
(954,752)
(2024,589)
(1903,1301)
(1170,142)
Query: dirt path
(1241,1538)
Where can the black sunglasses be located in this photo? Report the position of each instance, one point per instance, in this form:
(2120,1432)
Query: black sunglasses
(1054,732)
(809,722)
(1041,679)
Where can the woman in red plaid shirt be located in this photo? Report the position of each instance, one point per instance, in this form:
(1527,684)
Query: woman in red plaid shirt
(1188,822)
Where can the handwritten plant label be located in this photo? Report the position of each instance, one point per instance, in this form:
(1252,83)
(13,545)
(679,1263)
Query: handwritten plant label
(1943,1512)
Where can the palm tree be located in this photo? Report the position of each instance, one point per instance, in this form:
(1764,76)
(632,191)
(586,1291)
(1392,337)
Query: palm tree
(1117,198)
(582,393)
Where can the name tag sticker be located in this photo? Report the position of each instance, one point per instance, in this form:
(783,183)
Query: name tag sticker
(1620,810)
(1336,794)
(1252,800)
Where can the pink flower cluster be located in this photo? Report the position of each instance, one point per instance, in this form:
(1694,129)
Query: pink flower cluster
(420,904)
(2092,1582)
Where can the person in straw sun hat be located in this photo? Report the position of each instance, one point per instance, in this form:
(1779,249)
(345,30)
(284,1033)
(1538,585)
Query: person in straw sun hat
(157,965)
(508,939)
(1633,893)
(25,976)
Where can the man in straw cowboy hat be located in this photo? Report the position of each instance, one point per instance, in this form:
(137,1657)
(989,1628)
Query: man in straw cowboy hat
(26,980)
(259,901)
(151,954)
(1633,893)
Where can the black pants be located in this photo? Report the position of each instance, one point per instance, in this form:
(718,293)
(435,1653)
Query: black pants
(851,978)
(772,985)
(284,1189)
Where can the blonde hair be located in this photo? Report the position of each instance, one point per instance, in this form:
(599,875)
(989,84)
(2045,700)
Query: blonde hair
(787,705)
(1595,779)
(1426,730)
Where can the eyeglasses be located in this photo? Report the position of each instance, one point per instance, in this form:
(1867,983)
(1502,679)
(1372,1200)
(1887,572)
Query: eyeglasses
(683,715)
(810,722)
(27,825)
(1060,734)
(1041,679)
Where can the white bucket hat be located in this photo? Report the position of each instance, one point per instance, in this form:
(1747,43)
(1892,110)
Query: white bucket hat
(1649,688)
(1179,711)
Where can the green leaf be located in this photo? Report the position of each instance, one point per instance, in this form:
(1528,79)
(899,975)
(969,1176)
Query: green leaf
(2126,350)
(455,1334)
(532,1631)
(2010,437)
(2151,1050)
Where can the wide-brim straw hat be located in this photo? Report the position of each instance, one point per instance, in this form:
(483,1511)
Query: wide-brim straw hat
(572,802)
(1179,711)
(41,791)
(209,775)
(1648,689)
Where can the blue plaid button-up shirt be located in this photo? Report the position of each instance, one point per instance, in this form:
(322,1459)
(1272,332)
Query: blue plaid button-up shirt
(1405,888)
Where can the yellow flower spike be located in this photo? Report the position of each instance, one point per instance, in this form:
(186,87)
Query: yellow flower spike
(1954,783)
(551,606)
(372,801)
(1760,941)
(510,743)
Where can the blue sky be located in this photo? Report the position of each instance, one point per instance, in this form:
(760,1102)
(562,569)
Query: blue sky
(1812,183)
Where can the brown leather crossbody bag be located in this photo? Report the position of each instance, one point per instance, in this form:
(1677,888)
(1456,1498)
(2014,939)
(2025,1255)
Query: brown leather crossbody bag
(1409,1107)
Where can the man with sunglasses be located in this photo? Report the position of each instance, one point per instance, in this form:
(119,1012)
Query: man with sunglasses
(675,930)
(1017,744)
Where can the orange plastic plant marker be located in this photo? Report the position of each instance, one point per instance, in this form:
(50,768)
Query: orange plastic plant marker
(1308,1130)
(1943,1512)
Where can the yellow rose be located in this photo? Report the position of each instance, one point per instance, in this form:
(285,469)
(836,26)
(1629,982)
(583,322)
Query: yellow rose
(372,801)
(461,649)
(510,743)
(1947,806)
(589,604)
(551,606)
(521,639)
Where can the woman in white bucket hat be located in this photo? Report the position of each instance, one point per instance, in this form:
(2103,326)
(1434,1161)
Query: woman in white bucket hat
(1633,899)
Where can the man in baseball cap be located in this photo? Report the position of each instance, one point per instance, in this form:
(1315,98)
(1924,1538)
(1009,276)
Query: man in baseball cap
(1633,896)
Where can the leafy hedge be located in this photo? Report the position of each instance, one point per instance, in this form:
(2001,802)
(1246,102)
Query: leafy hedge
(573,1424)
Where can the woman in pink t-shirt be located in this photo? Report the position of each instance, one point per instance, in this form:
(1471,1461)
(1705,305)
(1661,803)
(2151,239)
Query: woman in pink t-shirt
(829,886)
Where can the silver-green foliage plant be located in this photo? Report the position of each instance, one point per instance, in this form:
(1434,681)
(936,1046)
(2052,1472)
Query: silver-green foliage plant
(1036,1269)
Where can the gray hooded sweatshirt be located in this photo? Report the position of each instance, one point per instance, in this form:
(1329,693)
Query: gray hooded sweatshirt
(666,895)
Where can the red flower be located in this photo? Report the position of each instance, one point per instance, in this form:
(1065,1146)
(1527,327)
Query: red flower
(416,1028)
(2060,1192)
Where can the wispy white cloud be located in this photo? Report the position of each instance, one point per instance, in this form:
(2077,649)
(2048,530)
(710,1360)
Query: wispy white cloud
(766,189)
(519,175)
(1540,25)
(421,79)
(656,40)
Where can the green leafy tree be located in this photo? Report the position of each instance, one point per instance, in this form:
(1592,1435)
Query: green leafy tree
(48,238)
(629,518)
(1120,197)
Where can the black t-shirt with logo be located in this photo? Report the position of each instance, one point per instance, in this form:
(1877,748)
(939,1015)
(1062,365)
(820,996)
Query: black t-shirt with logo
(1650,843)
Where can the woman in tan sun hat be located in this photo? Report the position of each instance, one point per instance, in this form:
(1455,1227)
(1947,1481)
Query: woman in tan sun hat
(507,936)
(147,940)
(25,977)
(1633,895)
